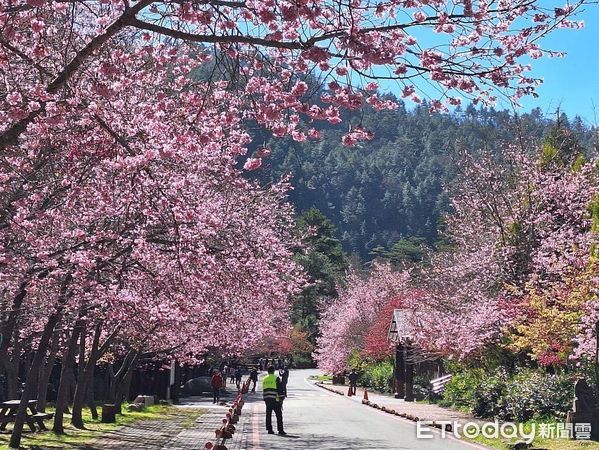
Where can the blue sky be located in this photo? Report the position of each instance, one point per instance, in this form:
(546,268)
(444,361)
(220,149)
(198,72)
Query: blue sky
(570,83)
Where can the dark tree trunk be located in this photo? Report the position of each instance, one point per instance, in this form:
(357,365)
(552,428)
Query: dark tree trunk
(125,383)
(123,378)
(66,379)
(81,395)
(110,384)
(91,404)
(45,373)
(12,381)
(81,355)
(12,369)
(31,383)
(82,379)
(84,390)
(9,325)
(117,378)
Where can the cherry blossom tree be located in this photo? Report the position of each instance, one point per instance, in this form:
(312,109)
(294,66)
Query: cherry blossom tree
(376,342)
(121,126)
(50,50)
(346,322)
(522,230)
(143,229)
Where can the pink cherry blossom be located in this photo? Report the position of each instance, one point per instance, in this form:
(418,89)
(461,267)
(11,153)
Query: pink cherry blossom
(252,164)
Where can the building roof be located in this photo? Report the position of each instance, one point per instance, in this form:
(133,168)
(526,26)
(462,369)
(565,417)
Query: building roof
(400,329)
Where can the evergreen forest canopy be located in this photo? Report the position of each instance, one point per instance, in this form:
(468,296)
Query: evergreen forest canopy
(386,196)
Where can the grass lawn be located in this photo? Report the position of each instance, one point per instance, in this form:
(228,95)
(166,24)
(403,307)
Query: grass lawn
(322,377)
(94,428)
(555,444)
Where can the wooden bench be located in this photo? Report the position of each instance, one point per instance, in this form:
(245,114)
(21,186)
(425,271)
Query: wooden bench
(438,384)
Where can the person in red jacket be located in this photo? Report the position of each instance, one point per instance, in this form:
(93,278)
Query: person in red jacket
(217,383)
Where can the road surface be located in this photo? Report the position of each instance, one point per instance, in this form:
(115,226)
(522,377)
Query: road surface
(317,419)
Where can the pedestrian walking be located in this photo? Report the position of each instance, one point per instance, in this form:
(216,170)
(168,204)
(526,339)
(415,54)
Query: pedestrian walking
(353,381)
(273,398)
(224,373)
(238,375)
(232,374)
(284,374)
(278,362)
(254,379)
(217,383)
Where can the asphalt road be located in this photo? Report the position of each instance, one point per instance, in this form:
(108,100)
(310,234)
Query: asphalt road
(317,419)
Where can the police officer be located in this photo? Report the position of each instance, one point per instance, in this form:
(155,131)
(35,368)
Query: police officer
(273,398)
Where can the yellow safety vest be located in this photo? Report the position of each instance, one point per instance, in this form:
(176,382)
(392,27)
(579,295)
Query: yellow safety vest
(269,387)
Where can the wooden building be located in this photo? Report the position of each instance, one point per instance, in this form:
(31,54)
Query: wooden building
(409,360)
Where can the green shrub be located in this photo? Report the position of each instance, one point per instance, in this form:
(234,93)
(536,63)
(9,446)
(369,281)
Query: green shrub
(303,362)
(423,389)
(533,394)
(488,395)
(378,376)
(529,394)
(355,361)
(459,392)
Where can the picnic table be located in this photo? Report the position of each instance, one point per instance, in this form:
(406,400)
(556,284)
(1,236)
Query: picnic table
(8,412)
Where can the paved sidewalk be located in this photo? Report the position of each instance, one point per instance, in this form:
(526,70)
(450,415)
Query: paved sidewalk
(181,430)
(147,434)
(422,411)
(202,430)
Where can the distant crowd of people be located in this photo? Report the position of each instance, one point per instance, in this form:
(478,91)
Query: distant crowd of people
(276,361)
(234,373)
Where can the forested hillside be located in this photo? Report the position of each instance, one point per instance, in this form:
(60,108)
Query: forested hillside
(391,187)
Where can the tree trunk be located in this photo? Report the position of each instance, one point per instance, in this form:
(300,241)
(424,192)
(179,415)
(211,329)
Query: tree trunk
(123,378)
(90,396)
(9,325)
(45,373)
(110,382)
(81,394)
(81,356)
(84,390)
(12,369)
(31,383)
(66,376)
(82,380)
(12,381)
(125,384)
(116,379)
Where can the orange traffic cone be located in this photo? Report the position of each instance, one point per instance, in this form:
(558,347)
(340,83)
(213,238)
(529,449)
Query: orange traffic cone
(365,394)
(349,392)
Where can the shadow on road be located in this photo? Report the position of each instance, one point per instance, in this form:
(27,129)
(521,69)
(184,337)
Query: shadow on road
(321,442)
